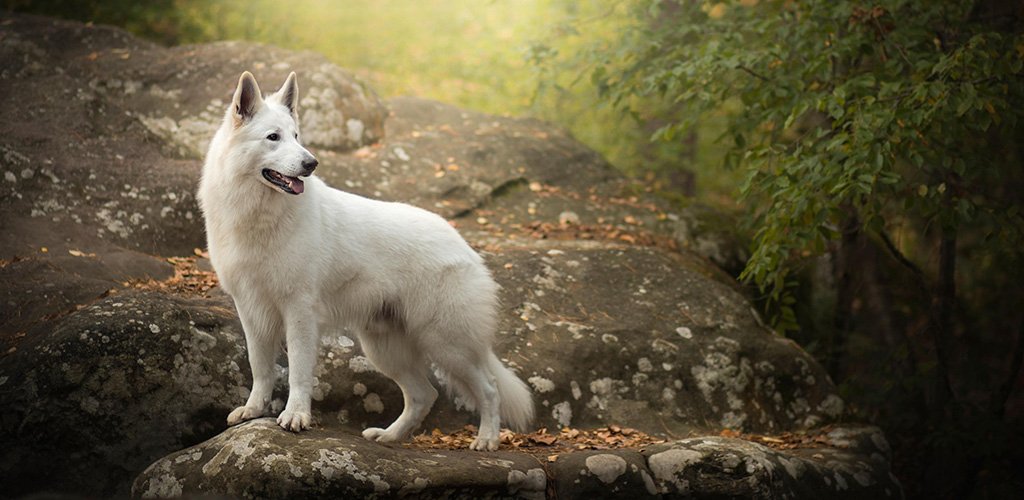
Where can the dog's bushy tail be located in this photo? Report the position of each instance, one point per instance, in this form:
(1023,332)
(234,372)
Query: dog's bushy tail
(516,406)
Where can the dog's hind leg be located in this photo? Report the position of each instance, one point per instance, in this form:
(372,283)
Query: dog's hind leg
(262,341)
(396,356)
(303,342)
(482,387)
(457,337)
(468,373)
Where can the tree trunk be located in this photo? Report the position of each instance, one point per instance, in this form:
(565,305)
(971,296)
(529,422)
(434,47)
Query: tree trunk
(952,469)
(943,303)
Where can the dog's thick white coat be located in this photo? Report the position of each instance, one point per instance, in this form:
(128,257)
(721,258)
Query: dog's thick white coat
(401,277)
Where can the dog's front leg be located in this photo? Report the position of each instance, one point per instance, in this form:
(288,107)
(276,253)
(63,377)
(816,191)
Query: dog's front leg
(263,342)
(302,340)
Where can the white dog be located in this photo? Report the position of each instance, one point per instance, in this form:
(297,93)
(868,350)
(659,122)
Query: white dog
(297,255)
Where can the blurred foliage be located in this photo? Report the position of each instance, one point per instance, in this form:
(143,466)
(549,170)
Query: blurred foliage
(584,45)
(889,112)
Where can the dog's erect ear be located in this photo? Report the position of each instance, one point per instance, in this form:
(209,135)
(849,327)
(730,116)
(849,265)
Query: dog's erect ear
(288,95)
(247,100)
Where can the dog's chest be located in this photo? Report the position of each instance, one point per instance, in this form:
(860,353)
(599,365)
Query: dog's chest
(255,265)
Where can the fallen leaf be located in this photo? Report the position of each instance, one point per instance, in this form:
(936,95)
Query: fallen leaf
(729,433)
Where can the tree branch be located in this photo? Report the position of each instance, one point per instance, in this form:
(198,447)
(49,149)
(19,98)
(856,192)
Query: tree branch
(943,303)
(899,48)
(902,259)
(1006,389)
(754,73)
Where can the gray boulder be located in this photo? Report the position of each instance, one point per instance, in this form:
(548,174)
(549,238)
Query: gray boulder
(100,132)
(609,333)
(259,460)
(601,474)
(94,397)
(854,465)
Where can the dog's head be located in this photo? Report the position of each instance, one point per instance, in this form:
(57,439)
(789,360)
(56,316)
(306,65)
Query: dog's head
(265,135)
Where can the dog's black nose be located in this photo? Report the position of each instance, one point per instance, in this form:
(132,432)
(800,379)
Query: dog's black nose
(310,165)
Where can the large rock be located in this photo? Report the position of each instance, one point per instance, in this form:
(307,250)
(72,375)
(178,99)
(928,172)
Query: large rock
(102,392)
(258,460)
(606,312)
(611,333)
(500,177)
(855,465)
(452,161)
(100,131)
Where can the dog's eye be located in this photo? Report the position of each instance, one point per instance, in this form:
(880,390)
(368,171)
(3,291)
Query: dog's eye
(273,137)
(296,136)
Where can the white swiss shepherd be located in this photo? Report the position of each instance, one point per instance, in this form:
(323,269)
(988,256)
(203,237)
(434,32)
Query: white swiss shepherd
(297,255)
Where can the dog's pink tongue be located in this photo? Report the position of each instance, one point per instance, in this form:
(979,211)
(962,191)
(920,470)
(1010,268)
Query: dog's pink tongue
(296,184)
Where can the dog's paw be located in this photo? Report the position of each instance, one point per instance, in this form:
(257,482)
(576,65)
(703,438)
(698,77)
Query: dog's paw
(484,444)
(243,413)
(381,435)
(294,421)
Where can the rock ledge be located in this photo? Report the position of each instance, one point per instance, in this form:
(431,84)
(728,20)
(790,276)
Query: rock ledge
(259,460)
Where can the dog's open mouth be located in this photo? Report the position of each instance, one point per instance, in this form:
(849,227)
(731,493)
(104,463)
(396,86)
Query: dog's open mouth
(290,185)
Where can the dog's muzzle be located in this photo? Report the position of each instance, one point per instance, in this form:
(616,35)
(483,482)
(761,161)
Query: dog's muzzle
(309,166)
